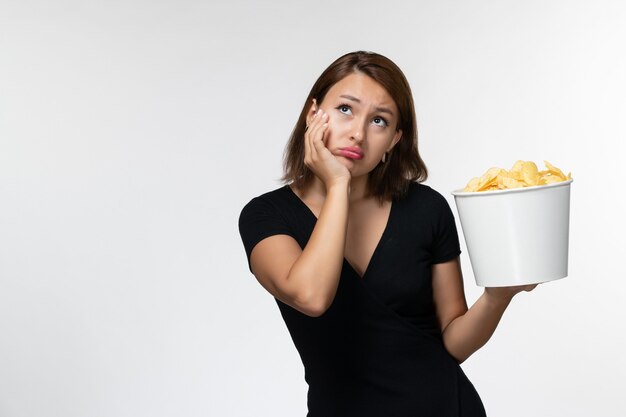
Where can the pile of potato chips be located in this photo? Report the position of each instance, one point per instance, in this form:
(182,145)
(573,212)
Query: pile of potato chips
(523,174)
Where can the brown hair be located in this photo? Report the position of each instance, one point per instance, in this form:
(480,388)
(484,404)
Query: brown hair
(404,165)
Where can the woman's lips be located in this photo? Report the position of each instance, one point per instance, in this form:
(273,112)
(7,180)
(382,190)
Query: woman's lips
(351,152)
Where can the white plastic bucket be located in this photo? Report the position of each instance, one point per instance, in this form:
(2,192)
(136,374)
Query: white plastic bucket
(518,236)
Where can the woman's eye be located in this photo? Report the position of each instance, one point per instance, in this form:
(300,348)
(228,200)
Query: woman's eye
(345,109)
(379,121)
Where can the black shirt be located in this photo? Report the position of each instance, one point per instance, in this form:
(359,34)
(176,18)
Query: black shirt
(377,351)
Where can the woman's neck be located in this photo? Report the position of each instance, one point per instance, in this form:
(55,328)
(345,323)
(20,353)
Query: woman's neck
(358,189)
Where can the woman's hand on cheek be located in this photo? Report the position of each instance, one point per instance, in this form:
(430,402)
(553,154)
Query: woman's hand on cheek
(317,156)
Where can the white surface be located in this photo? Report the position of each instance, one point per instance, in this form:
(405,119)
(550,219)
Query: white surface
(518,236)
(133,132)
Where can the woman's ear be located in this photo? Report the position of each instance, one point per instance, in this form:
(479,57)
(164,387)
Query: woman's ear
(311,113)
(396,139)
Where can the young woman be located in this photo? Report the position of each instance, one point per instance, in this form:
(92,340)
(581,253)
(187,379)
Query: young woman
(363,259)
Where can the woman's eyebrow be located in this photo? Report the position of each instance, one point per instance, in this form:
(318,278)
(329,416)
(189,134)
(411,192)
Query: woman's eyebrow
(378,109)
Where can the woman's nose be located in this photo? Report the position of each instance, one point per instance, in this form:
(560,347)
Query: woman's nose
(358,130)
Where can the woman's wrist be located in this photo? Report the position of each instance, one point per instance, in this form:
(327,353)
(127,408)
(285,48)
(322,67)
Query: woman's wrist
(498,297)
(339,185)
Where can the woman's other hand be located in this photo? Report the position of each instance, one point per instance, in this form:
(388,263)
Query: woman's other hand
(505,294)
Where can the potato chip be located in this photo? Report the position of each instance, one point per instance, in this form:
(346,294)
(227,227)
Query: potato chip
(505,182)
(530,174)
(521,174)
(489,179)
(473,184)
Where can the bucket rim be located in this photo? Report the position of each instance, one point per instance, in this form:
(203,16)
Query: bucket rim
(461,193)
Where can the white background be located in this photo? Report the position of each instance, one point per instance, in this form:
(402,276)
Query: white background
(133,132)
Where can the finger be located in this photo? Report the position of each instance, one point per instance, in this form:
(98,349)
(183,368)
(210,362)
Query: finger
(313,133)
(318,142)
(317,128)
(307,145)
(325,120)
(316,132)
(308,135)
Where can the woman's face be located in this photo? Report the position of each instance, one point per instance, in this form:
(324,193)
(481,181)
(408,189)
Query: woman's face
(362,123)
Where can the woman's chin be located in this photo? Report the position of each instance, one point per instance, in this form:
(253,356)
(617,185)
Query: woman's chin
(353,166)
(347,162)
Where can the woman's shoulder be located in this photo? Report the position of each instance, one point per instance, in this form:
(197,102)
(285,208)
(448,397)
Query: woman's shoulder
(272,200)
(266,215)
(272,195)
(422,193)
